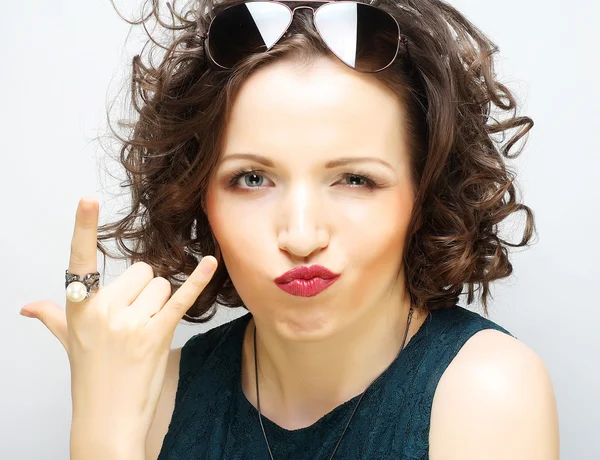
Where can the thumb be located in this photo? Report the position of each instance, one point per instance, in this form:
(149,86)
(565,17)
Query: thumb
(52,315)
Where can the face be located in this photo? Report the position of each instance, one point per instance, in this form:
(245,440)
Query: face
(315,170)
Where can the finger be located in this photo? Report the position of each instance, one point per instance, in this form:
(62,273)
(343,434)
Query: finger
(52,316)
(180,302)
(126,288)
(83,259)
(151,299)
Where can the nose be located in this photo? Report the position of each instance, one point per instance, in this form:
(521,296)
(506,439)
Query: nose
(302,231)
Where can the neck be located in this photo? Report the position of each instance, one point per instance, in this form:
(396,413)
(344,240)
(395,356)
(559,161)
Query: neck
(300,382)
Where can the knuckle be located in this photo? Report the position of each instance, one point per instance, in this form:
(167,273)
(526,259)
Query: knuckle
(178,303)
(77,256)
(86,224)
(197,283)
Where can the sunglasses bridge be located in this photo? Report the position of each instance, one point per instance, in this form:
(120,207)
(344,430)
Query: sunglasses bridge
(204,36)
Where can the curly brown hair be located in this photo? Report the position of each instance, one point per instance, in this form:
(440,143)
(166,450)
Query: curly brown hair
(463,188)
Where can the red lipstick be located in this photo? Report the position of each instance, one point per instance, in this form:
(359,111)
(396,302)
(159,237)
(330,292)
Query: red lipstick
(306,281)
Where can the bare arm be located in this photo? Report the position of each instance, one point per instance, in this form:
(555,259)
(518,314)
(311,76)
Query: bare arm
(164,410)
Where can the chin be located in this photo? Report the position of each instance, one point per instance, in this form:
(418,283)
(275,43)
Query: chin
(305,325)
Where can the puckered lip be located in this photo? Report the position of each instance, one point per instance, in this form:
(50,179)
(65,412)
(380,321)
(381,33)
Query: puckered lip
(306,272)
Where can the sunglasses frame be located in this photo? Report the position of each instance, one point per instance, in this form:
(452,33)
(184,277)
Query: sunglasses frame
(298,4)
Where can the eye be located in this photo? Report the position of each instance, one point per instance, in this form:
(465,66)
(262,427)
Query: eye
(252,178)
(361,180)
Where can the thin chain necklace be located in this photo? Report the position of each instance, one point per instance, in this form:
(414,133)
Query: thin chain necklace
(410,313)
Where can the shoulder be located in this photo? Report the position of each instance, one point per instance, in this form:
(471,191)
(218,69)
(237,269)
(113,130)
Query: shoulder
(495,400)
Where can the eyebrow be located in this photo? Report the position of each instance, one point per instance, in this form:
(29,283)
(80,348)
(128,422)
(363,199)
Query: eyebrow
(330,164)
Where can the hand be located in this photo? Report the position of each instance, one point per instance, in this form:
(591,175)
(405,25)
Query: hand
(117,340)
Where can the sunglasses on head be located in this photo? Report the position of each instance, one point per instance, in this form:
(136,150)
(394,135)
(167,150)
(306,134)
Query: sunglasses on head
(364,37)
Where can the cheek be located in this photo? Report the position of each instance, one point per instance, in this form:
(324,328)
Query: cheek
(240,230)
(376,233)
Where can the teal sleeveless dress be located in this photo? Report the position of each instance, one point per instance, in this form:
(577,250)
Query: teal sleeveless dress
(213,419)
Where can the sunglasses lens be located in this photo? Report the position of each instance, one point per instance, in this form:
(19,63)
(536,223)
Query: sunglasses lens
(244,29)
(364,37)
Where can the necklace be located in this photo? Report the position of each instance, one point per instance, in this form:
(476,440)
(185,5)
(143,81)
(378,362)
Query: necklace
(410,313)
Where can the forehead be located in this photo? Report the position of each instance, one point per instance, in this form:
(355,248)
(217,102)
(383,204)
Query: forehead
(324,108)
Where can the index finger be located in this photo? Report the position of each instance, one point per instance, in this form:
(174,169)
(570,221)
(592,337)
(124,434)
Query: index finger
(83,258)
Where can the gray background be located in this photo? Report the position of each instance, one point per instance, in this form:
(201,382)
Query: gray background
(63,61)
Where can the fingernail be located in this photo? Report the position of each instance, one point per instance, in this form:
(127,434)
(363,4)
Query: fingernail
(27,313)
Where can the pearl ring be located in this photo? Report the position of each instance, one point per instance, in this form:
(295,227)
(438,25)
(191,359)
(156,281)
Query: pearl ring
(78,289)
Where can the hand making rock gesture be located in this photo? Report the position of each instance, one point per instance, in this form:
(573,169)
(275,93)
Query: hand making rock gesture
(117,339)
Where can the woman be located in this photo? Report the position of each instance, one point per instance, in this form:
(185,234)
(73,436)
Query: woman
(335,166)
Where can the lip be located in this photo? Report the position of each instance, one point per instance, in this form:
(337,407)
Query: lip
(306,281)
(306,272)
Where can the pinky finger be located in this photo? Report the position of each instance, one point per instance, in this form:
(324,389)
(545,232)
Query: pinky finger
(181,301)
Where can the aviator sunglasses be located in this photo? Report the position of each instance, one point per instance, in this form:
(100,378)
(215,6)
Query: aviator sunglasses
(364,37)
